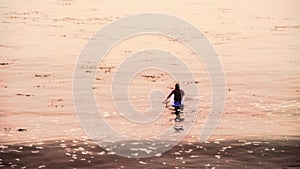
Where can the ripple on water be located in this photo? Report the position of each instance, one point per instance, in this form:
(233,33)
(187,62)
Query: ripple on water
(42,166)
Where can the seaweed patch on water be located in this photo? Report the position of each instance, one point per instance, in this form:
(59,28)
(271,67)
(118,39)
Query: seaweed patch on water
(56,102)
(4,63)
(22,94)
(153,77)
(43,75)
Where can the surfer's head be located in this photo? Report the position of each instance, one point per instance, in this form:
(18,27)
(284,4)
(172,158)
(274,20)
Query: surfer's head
(177,86)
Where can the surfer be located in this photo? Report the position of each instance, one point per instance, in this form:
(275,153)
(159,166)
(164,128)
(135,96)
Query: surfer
(178,95)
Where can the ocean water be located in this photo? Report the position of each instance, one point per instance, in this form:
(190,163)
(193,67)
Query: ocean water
(256,42)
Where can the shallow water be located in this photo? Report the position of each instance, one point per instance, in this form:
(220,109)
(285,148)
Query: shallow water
(257,43)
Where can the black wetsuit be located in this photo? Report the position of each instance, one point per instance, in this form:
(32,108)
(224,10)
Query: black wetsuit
(177,95)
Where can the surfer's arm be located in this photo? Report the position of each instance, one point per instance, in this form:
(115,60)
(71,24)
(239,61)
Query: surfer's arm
(169,95)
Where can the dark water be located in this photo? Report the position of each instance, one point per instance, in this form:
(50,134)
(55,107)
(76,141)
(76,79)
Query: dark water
(219,154)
